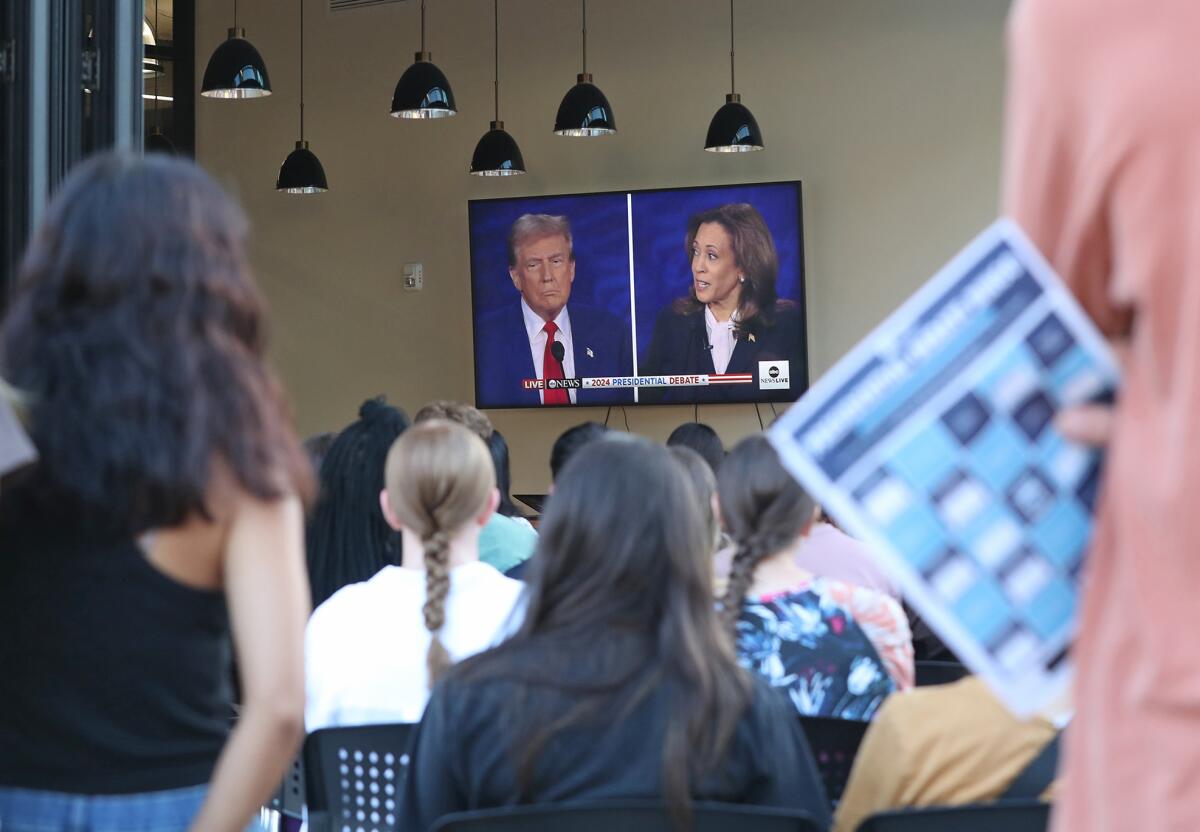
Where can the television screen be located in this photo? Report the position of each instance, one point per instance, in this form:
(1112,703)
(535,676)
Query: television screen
(671,296)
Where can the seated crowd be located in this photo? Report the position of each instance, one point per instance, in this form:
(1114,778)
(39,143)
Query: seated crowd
(660,635)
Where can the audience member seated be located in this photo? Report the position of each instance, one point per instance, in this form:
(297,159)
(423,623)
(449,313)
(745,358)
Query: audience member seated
(705,483)
(507,541)
(829,552)
(619,683)
(570,442)
(941,745)
(838,649)
(164,511)
(700,438)
(376,648)
(348,538)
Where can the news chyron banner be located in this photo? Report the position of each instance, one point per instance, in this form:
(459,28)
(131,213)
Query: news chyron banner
(933,441)
(608,382)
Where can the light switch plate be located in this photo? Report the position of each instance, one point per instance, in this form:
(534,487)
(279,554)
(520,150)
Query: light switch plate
(414,277)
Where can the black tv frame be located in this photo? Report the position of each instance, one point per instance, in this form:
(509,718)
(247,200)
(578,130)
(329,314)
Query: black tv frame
(783,397)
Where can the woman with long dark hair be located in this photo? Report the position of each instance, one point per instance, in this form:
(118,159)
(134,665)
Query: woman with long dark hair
(162,516)
(836,649)
(732,317)
(620,681)
(348,538)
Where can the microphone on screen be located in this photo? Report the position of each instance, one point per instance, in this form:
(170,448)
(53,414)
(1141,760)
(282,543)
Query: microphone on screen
(558,351)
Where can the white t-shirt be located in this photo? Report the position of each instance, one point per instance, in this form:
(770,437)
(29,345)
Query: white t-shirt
(365,646)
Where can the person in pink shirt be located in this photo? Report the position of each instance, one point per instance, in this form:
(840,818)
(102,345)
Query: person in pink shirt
(829,551)
(1102,170)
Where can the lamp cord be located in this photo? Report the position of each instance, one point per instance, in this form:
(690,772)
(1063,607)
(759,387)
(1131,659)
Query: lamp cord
(585,37)
(422,25)
(301,70)
(732,78)
(235,14)
(496,54)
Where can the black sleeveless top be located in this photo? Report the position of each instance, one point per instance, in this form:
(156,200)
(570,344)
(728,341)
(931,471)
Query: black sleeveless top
(114,678)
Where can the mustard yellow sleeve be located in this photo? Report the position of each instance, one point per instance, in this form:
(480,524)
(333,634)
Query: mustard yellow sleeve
(879,772)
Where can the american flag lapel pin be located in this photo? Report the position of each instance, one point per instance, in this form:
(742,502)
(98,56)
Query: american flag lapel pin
(751,337)
(590,354)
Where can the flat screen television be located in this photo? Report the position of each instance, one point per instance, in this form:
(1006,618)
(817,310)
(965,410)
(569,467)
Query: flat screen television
(669,296)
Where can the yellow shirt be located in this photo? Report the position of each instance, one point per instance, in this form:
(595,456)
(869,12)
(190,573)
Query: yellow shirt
(936,746)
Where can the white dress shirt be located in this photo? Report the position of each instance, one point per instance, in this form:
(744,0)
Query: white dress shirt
(720,338)
(365,647)
(537,343)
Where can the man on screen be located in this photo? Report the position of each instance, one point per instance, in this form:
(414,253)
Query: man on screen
(540,336)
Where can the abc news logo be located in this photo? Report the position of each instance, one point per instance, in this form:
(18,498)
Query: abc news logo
(774,374)
(553,384)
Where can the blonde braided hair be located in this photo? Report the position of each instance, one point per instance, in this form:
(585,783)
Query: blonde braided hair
(439,478)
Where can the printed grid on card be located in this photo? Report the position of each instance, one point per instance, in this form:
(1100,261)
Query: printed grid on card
(991,506)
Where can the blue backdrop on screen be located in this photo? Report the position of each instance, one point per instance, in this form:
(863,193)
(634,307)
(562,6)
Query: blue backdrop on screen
(601,240)
(662,269)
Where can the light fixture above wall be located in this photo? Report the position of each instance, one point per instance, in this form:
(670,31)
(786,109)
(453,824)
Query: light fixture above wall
(497,153)
(585,110)
(301,172)
(236,70)
(157,141)
(423,90)
(733,129)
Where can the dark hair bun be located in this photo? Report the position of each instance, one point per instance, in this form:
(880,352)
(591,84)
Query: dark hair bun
(372,409)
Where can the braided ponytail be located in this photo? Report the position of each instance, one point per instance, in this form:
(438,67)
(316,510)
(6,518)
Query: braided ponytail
(747,556)
(437,587)
(439,478)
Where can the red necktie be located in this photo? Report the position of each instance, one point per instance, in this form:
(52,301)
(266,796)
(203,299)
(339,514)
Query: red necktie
(552,368)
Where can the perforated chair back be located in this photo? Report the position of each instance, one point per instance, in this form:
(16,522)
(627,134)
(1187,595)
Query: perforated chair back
(626,816)
(1005,816)
(355,776)
(938,673)
(834,744)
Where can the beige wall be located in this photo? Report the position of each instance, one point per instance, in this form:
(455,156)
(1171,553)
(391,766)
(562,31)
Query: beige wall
(888,110)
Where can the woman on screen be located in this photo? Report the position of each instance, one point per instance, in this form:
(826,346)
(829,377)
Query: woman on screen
(731,318)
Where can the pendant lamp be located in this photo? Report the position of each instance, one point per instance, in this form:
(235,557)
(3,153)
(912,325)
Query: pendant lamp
(150,66)
(423,90)
(157,141)
(236,70)
(733,129)
(497,153)
(301,172)
(584,110)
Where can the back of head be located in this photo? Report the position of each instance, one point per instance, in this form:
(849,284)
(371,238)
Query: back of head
(623,558)
(469,417)
(137,335)
(700,438)
(439,478)
(703,483)
(499,450)
(764,510)
(570,442)
(348,538)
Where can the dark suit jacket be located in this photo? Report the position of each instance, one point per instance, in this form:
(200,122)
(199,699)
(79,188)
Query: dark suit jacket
(679,346)
(503,359)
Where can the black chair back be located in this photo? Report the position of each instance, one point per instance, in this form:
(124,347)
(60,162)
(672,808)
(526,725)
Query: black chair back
(626,816)
(355,776)
(834,744)
(939,673)
(1005,816)
(289,800)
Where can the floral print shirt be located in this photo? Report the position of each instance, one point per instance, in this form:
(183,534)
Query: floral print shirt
(809,642)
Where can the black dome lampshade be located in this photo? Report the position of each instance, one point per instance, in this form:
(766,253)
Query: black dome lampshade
(733,129)
(301,172)
(497,153)
(236,70)
(423,91)
(585,110)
